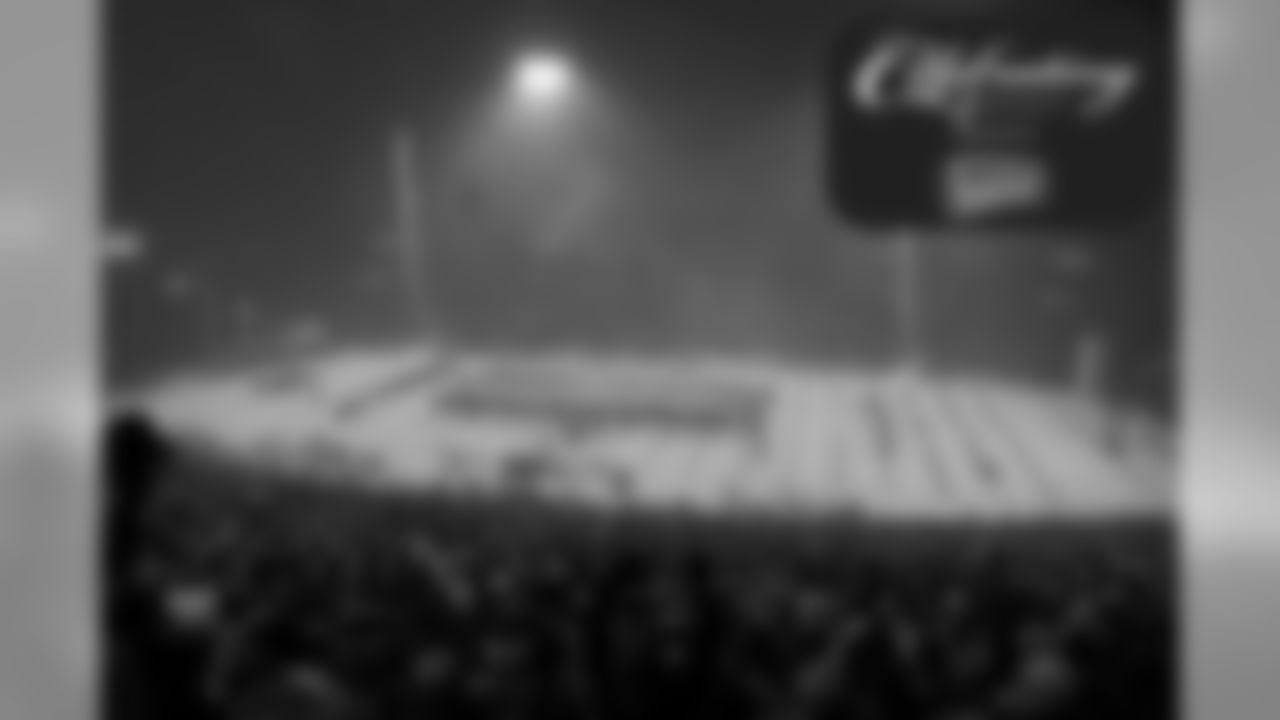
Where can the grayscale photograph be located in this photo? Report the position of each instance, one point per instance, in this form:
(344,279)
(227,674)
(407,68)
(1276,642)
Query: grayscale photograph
(640,359)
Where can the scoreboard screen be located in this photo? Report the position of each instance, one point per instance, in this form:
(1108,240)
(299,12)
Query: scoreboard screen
(1006,115)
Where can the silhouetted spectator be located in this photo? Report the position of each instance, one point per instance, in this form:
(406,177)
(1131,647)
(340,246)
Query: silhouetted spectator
(136,456)
(344,602)
(148,666)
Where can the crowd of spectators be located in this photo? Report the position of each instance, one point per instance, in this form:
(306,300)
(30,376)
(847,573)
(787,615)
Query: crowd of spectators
(243,598)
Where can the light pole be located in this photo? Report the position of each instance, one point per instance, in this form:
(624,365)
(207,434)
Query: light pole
(407,225)
(539,80)
(907,302)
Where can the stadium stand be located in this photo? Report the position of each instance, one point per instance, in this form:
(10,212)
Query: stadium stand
(255,596)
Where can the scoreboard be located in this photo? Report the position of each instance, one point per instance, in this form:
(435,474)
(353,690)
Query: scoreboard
(1000,116)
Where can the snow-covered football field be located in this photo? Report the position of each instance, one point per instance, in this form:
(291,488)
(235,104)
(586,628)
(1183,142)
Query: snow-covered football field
(694,433)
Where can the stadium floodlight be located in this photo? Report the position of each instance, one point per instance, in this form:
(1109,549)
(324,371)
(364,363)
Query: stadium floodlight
(543,77)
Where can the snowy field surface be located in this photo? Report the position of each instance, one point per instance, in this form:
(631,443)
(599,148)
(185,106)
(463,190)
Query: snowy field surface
(691,433)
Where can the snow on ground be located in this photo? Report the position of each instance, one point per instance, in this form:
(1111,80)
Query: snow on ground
(666,433)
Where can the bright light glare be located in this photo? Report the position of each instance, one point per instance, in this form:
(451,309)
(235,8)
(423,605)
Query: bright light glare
(543,77)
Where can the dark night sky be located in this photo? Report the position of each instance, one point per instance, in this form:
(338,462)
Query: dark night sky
(247,142)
